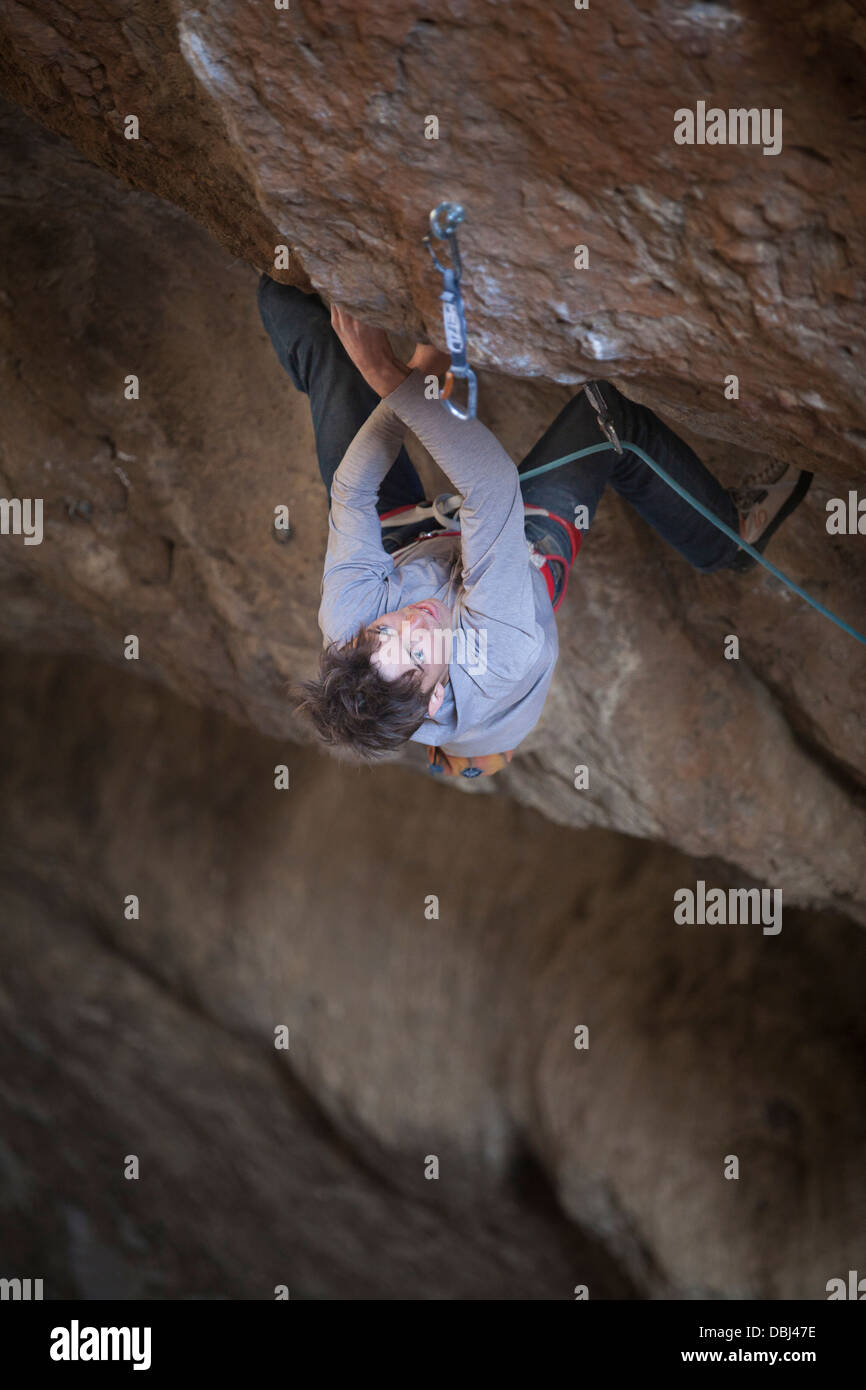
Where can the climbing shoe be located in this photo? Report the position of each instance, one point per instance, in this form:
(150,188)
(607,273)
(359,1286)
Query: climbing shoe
(763,501)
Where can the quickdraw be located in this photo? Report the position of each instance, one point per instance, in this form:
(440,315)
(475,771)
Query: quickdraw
(605,419)
(444,220)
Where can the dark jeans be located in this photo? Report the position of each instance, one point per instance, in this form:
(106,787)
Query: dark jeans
(299,327)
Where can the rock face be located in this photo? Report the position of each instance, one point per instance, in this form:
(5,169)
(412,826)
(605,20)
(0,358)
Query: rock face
(409,1034)
(306,127)
(309,126)
(159,520)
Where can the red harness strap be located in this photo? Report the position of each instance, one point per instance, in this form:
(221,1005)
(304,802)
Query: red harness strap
(575,538)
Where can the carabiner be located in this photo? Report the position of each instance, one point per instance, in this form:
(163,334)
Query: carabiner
(467,375)
(605,419)
(444,221)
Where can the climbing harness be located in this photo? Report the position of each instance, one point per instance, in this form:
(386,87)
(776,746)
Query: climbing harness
(444,220)
(619,447)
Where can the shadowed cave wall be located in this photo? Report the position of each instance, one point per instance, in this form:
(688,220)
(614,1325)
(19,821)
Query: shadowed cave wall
(408,1036)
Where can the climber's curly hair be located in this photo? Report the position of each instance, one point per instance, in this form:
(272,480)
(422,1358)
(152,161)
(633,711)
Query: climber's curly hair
(353,709)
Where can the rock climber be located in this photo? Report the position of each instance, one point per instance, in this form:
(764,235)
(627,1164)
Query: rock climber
(404,576)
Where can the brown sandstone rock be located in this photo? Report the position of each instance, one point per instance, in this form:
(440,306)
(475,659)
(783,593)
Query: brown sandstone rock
(759,762)
(307,127)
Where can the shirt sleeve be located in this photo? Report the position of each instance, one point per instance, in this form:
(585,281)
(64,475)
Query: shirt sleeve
(357,566)
(498,595)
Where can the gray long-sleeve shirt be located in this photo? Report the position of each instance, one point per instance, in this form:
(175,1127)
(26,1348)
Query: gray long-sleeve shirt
(485,575)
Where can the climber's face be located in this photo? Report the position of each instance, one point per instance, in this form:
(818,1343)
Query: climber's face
(416,638)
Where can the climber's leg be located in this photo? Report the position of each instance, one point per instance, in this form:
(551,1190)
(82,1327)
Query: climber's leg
(299,326)
(581,484)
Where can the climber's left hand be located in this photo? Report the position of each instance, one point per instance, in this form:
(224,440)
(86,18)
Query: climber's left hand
(429,360)
(370,351)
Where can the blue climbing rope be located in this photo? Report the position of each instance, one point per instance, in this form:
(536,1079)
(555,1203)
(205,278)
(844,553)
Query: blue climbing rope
(705,512)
